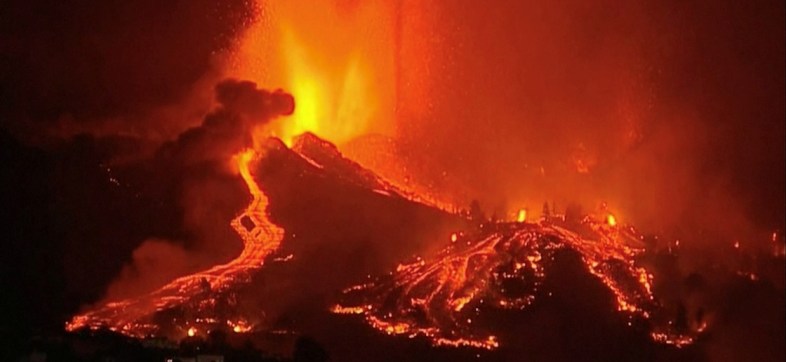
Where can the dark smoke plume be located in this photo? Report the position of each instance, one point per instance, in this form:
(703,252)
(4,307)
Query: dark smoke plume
(242,108)
(196,168)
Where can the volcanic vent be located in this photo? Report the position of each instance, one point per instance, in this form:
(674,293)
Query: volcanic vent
(303,180)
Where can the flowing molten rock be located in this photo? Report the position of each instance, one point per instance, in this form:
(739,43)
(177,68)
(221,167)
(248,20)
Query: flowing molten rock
(311,209)
(501,266)
(136,316)
(319,222)
(223,138)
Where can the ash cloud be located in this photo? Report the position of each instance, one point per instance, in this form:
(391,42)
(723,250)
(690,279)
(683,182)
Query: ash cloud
(225,131)
(196,168)
(118,134)
(675,110)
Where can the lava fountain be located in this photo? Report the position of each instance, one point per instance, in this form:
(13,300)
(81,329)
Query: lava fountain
(336,58)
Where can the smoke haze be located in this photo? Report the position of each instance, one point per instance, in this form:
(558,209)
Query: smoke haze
(672,112)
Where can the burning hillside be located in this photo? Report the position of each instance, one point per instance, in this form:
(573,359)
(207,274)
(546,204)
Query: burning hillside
(504,265)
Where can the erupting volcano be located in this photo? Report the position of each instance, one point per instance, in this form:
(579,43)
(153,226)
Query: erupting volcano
(496,264)
(383,201)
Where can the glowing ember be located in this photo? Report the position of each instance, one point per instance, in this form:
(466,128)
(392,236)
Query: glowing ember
(192,332)
(611,220)
(778,245)
(522,215)
(502,266)
(678,341)
(134,316)
(240,326)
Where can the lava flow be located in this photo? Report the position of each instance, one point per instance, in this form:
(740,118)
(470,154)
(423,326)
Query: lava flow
(134,317)
(503,266)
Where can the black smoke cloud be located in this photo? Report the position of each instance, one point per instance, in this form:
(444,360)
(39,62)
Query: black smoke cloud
(242,108)
(106,145)
(150,218)
(194,172)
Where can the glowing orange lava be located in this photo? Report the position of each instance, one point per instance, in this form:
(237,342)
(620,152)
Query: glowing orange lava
(611,220)
(522,215)
(344,63)
(134,316)
(336,59)
(504,266)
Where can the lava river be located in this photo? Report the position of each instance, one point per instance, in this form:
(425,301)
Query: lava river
(504,266)
(134,316)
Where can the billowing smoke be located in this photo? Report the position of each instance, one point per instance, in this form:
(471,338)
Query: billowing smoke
(155,262)
(671,112)
(197,168)
(229,128)
(88,93)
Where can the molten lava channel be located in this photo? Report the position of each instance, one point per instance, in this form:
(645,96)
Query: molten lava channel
(134,316)
(503,266)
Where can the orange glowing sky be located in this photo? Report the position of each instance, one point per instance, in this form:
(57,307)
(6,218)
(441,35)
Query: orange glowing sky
(559,102)
(336,58)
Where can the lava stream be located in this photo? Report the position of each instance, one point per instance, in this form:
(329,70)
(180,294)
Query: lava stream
(502,266)
(133,316)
